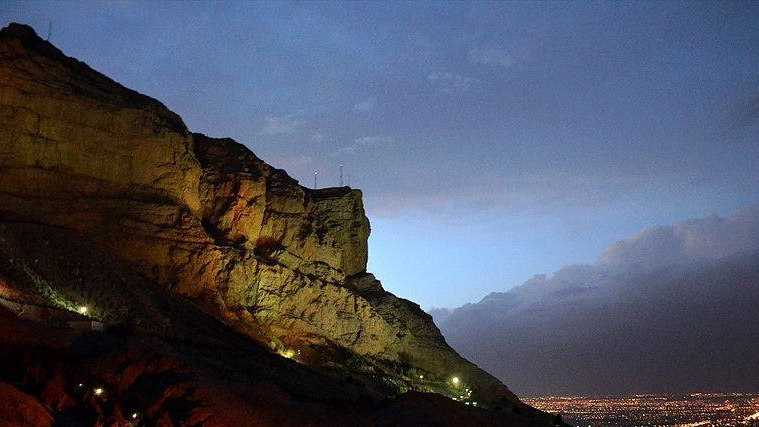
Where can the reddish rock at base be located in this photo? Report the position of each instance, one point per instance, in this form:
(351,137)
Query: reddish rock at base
(19,409)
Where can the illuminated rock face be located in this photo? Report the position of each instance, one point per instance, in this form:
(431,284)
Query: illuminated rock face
(204,217)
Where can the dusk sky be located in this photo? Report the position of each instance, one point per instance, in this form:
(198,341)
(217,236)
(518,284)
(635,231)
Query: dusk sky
(492,141)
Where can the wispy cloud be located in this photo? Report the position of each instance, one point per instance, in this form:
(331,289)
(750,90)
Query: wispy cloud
(317,137)
(519,192)
(281,125)
(451,83)
(491,56)
(366,105)
(301,160)
(366,142)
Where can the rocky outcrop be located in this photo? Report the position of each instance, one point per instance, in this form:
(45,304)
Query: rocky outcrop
(207,219)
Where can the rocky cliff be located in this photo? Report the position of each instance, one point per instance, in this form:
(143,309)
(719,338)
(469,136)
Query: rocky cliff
(207,221)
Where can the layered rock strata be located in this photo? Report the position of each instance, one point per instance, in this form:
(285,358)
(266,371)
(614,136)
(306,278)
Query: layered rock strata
(207,219)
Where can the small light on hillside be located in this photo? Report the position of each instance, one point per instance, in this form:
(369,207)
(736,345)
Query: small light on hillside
(83,310)
(455,381)
(134,415)
(98,391)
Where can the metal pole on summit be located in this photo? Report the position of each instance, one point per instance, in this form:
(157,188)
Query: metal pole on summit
(341,175)
(315,174)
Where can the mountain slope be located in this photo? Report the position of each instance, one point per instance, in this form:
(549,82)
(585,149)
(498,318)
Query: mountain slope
(195,238)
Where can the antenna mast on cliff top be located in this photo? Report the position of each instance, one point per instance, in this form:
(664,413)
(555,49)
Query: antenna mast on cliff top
(49,30)
(341,175)
(315,174)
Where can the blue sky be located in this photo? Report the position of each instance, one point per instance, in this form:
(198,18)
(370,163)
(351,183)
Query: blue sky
(492,140)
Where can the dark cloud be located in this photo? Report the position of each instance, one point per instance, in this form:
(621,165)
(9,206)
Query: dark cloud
(695,240)
(672,309)
(439,314)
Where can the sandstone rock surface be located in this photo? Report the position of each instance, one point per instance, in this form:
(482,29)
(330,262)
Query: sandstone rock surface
(208,220)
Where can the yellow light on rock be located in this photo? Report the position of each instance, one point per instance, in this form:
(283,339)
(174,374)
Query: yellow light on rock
(134,415)
(83,310)
(455,380)
(98,391)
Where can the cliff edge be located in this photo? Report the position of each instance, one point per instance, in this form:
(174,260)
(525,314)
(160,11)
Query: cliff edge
(210,223)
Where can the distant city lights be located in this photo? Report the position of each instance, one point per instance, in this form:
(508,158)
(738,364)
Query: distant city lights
(643,410)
